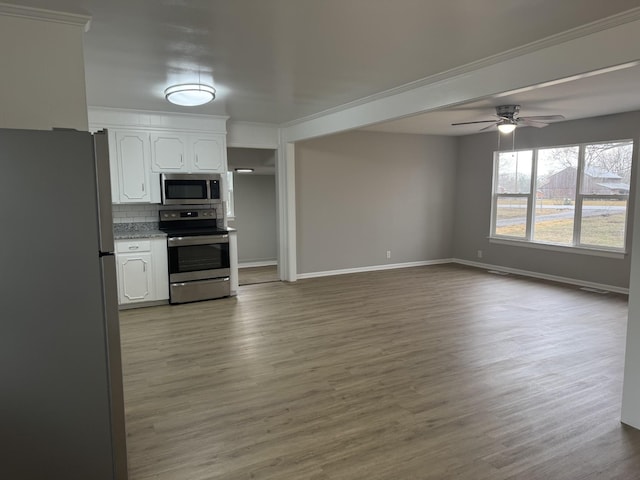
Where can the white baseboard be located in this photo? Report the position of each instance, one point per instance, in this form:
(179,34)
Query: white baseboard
(484,266)
(265,263)
(543,276)
(373,268)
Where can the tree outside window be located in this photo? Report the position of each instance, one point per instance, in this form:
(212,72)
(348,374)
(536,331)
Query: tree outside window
(573,196)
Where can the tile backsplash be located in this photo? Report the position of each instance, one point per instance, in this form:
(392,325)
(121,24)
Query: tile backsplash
(135,213)
(145,212)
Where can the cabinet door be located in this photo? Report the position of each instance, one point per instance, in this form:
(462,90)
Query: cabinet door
(209,154)
(168,153)
(135,278)
(132,150)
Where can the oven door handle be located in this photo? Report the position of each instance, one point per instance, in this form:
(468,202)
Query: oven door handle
(197,240)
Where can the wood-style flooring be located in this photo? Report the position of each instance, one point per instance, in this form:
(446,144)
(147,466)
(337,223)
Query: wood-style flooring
(253,275)
(439,372)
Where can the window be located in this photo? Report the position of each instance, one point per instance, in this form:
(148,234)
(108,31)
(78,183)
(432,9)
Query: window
(573,196)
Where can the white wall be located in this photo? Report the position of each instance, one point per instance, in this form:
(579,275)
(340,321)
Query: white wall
(42,83)
(473,203)
(360,194)
(252,135)
(255,217)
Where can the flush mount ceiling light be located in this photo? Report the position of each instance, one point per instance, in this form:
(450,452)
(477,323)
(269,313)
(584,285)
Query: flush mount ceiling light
(190,94)
(244,170)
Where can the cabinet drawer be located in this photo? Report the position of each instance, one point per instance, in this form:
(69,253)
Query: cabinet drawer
(132,246)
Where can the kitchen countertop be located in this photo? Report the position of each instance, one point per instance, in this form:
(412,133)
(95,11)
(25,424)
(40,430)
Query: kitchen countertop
(123,231)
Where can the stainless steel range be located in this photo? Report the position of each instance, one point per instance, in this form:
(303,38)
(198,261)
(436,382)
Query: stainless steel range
(198,255)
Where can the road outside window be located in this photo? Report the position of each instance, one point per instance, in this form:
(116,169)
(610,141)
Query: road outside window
(574,196)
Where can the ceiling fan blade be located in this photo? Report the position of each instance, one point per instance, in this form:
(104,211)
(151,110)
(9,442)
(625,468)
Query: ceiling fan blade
(531,123)
(543,118)
(469,123)
(488,127)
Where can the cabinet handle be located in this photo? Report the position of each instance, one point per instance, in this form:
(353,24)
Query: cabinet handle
(144,266)
(133,247)
(143,187)
(197,159)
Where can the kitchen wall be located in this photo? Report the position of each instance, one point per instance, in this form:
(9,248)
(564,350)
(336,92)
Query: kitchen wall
(473,202)
(43,83)
(361,194)
(135,213)
(255,217)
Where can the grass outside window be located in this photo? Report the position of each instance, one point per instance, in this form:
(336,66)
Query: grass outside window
(569,196)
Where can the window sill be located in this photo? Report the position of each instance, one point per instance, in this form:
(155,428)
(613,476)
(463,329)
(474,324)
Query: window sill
(595,252)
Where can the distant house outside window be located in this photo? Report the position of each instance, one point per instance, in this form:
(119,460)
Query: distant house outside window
(575,196)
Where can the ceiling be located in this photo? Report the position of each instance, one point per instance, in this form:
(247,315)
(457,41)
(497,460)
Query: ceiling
(276,61)
(588,96)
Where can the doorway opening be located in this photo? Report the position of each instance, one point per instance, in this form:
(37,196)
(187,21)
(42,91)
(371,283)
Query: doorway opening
(253,213)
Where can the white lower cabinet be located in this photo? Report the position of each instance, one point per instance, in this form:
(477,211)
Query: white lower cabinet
(142,270)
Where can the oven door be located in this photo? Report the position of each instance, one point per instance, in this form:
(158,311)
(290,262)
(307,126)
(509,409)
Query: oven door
(198,257)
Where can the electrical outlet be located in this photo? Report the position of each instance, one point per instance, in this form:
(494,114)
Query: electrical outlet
(388,254)
(479,253)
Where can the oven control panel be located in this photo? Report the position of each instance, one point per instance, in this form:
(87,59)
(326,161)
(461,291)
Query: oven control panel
(172,215)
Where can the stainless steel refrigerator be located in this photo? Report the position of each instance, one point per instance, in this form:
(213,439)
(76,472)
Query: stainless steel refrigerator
(61,398)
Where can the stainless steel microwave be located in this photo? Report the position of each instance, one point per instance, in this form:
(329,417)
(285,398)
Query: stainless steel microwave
(190,189)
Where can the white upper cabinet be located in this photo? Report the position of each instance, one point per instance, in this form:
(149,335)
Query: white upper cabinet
(142,145)
(129,151)
(132,154)
(188,153)
(209,153)
(169,152)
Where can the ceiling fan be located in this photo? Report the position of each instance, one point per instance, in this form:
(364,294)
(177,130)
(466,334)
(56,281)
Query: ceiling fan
(508,119)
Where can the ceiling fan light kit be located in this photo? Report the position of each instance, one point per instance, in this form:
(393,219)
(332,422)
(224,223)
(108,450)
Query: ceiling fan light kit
(190,94)
(506,127)
(508,119)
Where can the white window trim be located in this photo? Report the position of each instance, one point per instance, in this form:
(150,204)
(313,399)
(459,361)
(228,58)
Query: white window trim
(581,250)
(527,241)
